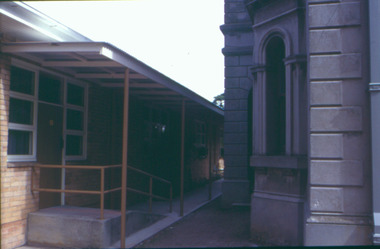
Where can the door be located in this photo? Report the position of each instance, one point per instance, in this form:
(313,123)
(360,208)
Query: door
(49,151)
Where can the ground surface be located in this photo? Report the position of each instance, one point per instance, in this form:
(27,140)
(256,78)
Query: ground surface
(210,226)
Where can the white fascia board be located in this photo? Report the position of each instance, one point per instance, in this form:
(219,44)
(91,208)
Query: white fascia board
(51,47)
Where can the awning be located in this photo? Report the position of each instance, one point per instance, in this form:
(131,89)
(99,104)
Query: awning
(104,64)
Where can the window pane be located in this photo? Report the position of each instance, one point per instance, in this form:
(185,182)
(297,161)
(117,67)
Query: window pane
(19,142)
(22,81)
(50,88)
(275,98)
(20,111)
(75,95)
(74,145)
(74,120)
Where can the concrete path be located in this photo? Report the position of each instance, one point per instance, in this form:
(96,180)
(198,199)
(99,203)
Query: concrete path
(210,226)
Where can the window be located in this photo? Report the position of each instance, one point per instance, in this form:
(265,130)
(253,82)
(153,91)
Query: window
(50,88)
(22,81)
(20,142)
(74,145)
(22,118)
(75,121)
(23,109)
(200,134)
(275,98)
(75,95)
(279,99)
(200,142)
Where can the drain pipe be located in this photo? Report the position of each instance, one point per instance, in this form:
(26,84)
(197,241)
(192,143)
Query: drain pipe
(374,88)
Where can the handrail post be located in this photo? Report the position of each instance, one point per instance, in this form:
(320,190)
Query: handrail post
(150,193)
(171,198)
(102,193)
(210,161)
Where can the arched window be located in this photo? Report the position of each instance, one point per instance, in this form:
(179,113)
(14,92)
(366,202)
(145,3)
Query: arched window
(275,95)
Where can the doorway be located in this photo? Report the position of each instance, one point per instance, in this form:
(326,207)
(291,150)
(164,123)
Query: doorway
(49,151)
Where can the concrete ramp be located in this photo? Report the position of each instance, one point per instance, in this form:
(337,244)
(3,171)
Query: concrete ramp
(67,226)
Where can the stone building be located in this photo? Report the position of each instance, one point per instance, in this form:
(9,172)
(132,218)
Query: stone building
(300,77)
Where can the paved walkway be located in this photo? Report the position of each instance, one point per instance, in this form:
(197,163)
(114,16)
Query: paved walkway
(193,200)
(209,226)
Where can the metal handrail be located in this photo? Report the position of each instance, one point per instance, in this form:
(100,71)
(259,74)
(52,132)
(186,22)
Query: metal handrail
(102,190)
(150,194)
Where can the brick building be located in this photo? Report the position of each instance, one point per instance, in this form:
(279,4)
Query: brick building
(301,142)
(61,103)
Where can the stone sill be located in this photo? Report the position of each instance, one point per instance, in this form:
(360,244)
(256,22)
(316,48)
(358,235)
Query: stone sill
(278,196)
(282,162)
(20,164)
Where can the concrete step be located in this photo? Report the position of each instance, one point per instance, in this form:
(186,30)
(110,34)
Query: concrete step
(67,226)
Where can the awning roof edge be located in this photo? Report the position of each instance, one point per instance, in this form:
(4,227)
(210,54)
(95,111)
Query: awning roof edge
(38,21)
(114,54)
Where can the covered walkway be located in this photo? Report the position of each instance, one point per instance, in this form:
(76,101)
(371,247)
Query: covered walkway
(91,106)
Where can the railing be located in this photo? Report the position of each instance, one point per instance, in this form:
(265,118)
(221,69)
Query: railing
(102,190)
(150,194)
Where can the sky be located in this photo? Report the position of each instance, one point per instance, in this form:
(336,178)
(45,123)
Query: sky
(179,38)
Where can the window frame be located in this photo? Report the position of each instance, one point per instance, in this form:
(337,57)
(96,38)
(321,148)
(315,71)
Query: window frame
(198,133)
(33,128)
(84,109)
(295,75)
(24,127)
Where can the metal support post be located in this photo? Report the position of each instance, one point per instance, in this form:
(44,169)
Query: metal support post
(182,155)
(124,169)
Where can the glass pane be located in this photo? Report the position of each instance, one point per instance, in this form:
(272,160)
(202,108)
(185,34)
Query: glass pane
(74,145)
(20,111)
(19,142)
(50,88)
(74,120)
(75,95)
(22,81)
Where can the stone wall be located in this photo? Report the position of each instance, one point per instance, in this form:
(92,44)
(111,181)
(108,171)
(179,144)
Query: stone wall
(340,173)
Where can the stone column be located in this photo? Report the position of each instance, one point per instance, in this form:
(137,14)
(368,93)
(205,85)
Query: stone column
(238,58)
